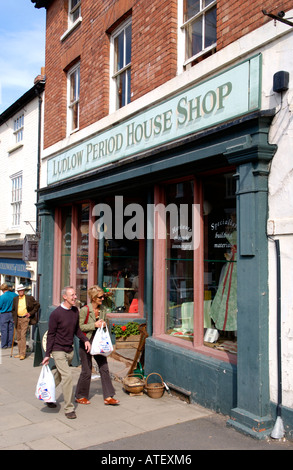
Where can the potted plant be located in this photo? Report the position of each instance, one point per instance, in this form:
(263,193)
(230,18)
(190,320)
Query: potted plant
(126,336)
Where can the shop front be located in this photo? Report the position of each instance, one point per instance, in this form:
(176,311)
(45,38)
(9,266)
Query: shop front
(167,212)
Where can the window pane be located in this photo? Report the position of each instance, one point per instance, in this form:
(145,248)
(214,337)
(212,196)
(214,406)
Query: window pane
(128,45)
(128,75)
(119,48)
(121,89)
(65,247)
(220,260)
(82,253)
(210,27)
(74,86)
(75,114)
(121,260)
(179,261)
(194,38)
(191,8)
(206,3)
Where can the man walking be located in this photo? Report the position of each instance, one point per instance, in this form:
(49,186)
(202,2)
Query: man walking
(24,310)
(63,325)
(7,326)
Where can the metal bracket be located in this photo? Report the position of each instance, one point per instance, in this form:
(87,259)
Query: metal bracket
(278,17)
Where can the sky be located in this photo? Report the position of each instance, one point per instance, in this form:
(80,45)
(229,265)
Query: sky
(22,48)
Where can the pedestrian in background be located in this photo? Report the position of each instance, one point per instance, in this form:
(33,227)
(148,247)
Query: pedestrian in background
(63,325)
(91,317)
(24,309)
(7,325)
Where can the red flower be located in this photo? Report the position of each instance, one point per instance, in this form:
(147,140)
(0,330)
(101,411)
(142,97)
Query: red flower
(123,328)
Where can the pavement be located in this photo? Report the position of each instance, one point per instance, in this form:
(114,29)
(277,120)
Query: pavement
(138,423)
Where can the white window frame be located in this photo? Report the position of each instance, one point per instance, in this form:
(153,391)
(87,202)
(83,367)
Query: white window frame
(181,60)
(16,198)
(74,18)
(114,75)
(18,127)
(74,12)
(72,103)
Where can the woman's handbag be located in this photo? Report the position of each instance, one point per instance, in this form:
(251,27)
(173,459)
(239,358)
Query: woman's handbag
(102,343)
(45,389)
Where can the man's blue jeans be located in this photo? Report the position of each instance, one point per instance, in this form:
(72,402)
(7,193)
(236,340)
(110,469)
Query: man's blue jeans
(7,327)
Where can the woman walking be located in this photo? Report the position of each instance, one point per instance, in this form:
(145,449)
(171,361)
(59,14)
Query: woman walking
(92,317)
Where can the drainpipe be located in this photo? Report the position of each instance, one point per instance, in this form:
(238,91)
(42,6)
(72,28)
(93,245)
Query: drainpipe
(39,156)
(278,429)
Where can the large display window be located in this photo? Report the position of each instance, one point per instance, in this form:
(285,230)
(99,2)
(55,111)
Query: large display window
(102,243)
(220,261)
(199,255)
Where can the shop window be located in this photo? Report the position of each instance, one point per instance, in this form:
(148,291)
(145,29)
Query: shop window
(114,261)
(121,253)
(82,252)
(120,61)
(220,262)
(179,272)
(200,266)
(66,218)
(199,29)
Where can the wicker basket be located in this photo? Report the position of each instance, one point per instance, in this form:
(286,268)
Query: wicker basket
(154,390)
(133,383)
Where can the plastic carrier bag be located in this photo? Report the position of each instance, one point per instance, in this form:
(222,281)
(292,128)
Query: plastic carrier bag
(102,343)
(45,389)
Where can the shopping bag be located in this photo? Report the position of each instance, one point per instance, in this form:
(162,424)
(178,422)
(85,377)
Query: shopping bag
(45,389)
(102,343)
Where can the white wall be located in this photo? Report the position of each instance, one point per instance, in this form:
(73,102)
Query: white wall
(13,159)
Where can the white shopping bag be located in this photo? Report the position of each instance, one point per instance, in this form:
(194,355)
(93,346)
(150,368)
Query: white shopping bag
(102,343)
(45,389)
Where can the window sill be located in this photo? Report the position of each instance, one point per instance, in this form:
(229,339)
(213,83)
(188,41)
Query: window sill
(200,349)
(71,29)
(15,147)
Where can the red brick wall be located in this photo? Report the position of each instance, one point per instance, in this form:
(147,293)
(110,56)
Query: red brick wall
(236,19)
(154,50)
(152,22)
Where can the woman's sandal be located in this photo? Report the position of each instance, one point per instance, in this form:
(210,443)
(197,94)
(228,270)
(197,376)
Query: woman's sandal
(111,401)
(82,401)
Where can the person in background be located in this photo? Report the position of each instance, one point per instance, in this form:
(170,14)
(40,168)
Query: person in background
(63,325)
(24,309)
(7,325)
(92,317)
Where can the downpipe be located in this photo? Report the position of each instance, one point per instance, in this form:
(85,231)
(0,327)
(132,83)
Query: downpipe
(278,431)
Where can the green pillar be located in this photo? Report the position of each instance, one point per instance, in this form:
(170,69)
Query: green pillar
(252,414)
(45,273)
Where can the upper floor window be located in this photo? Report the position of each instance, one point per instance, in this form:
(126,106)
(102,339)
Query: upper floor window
(16,198)
(74,11)
(18,128)
(199,28)
(73,88)
(121,66)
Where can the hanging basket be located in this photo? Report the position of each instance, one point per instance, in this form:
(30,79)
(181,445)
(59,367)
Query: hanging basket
(133,383)
(154,390)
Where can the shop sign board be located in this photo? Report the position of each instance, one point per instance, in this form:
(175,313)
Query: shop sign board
(228,95)
(13,267)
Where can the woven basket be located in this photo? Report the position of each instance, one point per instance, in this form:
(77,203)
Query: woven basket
(154,390)
(133,384)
